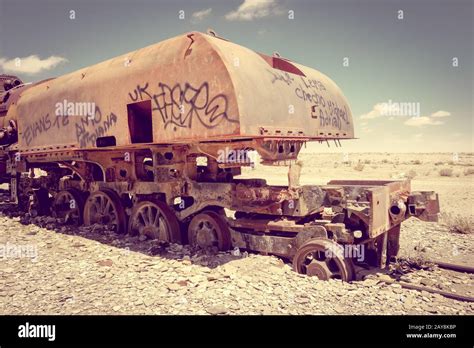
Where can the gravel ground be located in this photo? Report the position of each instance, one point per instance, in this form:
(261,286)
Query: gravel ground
(89,270)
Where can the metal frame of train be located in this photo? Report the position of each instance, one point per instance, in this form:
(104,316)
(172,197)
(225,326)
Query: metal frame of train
(159,154)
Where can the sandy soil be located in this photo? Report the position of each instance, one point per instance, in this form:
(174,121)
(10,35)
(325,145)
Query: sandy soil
(89,271)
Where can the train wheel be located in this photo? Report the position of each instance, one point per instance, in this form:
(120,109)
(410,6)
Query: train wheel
(69,205)
(155,221)
(322,258)
(104,207)
(209,229)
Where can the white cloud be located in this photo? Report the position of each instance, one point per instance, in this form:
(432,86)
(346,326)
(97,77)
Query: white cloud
(441,113)
(422,121)
(428,120)
(391,109)
(381,109)
(374,113)
(253,9)
(418,137)
(200,15)
(30,65)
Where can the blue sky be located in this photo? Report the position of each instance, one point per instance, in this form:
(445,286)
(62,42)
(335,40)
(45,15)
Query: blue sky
(390,59)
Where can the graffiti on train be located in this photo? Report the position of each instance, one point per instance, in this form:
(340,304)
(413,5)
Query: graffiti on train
(179,105)
(314,93)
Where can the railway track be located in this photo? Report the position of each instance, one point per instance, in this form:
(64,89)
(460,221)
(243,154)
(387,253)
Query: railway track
(447,294)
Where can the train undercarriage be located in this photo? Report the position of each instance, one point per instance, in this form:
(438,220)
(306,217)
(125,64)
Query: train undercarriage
(184,194)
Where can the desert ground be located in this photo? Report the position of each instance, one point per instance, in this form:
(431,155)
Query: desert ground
(92,271)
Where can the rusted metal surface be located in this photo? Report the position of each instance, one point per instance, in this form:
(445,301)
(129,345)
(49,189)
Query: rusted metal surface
(198,88)
(424,205)
(285,246)
(168,130)
(104,207)
(69,205)
(209,229)
(154,220)
(8,84)
(269,219)
(452,266)
(313,259)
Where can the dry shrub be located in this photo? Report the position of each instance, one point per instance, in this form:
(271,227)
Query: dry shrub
(385,161)
(457,223)
(446,172)
(416,162)
(438,163)
(374,167)
(367,161)
(359,167)
(469,171)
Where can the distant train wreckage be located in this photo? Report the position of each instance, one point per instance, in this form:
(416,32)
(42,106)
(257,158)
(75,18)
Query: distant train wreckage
(151,143)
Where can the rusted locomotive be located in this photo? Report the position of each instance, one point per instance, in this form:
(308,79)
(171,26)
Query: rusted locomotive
(153,142)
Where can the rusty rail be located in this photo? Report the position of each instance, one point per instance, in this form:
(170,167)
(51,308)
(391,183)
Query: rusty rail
(444,265)
(452,266)
(431,290)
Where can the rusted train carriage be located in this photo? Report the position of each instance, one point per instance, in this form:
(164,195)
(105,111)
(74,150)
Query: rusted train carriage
(152,142)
